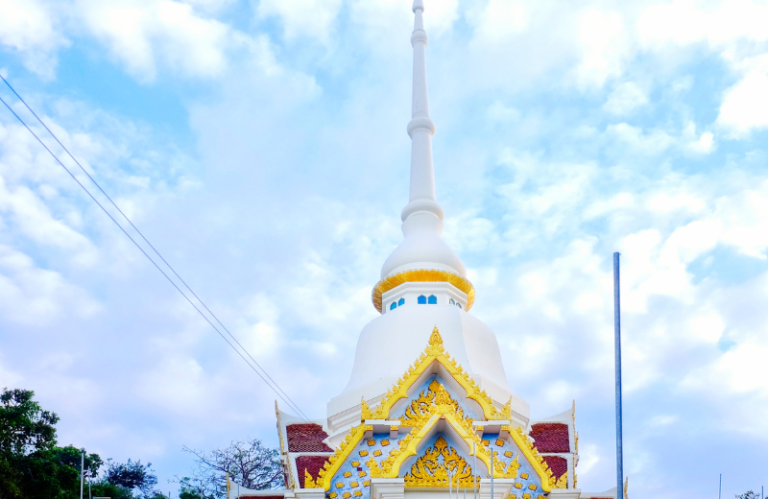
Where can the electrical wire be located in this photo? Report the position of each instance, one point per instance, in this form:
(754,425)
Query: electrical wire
(263,374)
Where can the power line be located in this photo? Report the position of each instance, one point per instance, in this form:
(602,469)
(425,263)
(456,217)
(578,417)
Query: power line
(263,374)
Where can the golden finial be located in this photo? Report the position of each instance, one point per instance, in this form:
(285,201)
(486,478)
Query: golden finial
(435,339)
(626,486)
(573,412)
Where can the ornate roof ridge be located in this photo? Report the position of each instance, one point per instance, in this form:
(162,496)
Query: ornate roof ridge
(434,352)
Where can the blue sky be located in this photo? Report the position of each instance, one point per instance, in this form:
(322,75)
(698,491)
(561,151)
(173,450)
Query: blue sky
(261,146)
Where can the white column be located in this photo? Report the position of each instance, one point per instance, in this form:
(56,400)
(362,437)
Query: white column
(387,488)
(501,488)
(310,493)
(565,494)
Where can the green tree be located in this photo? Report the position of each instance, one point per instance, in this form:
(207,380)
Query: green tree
(31,466)
(27,435)
(105,489)
(748,495)
(133,476)
(24,426)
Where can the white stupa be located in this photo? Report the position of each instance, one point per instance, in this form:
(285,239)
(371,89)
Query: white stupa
(423,284)
(427,410)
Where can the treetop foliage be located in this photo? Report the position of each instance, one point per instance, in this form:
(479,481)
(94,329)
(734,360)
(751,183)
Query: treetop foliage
(24,426)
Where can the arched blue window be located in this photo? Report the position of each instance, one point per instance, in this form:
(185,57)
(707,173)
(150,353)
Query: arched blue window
(452,302)
(393,306)
(422,300)
(401,302)
(432,300)
(458,305)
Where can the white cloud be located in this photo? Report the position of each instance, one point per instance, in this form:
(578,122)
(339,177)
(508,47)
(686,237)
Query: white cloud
(154,33)
(34,296)
(625,98)
(30,28)
(500,113)
(303,18)
(719,24)
(500,20)
(605,47)
(655,142)
(745,105)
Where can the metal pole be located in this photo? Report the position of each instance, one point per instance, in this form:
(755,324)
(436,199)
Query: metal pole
(474,467)
(720,490)
(82,468)
(492,497)
(617,345)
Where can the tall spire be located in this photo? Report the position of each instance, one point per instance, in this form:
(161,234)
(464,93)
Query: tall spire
(421,128)
(422,247)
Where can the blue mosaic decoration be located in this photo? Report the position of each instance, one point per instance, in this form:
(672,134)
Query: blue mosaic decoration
(353,481)
(505,451)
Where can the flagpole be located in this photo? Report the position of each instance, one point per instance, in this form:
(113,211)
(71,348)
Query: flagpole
(474,467)
(82,468)
(617,348)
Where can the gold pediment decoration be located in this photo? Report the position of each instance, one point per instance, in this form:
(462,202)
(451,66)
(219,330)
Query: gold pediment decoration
(434,400)
(435,351)
(431,471)
(423,413)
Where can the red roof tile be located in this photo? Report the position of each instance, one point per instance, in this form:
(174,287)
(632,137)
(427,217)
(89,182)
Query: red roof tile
(558,465)
(306,438)
(313,464)
(551,437)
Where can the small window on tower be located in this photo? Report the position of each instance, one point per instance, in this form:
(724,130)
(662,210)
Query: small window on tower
(452,302)
(401,302)
(393,306)
(432,300)
(458,305)
(422,300)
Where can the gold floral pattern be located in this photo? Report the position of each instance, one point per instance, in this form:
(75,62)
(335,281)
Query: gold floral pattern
(430,471)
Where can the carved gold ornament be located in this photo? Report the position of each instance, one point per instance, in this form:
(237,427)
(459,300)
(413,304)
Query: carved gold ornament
(422,275)
(429,471)
(562,482)
(424,413)
(435,351)
(434,400)
(309,482)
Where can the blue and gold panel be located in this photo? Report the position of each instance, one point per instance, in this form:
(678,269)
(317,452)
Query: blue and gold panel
(352,481)
(507,457)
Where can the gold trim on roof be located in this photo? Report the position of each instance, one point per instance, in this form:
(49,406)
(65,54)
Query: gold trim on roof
(431,406)
(562,482)
(422,275)
(309,482)
(435,351)
(334,462)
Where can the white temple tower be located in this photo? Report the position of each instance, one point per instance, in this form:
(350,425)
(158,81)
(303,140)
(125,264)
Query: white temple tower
(428,410)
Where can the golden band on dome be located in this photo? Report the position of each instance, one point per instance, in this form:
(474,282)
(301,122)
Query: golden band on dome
(421,275)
